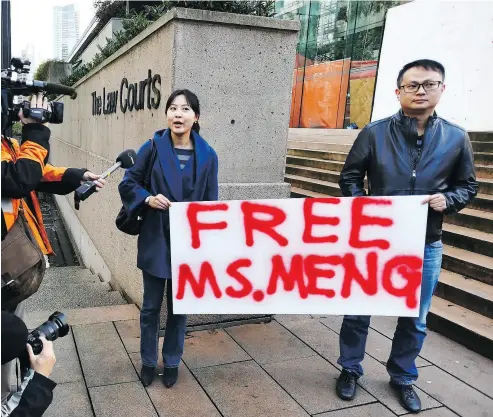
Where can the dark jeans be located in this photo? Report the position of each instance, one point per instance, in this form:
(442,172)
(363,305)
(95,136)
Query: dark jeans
(174,336)
(409,334)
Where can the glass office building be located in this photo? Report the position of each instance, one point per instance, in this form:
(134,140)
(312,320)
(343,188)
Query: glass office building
(336,61)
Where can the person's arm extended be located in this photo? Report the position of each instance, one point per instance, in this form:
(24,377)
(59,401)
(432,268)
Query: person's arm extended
(61,180)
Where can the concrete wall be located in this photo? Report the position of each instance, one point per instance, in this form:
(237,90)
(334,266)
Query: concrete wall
(239,66)
(114,25)
(459,35)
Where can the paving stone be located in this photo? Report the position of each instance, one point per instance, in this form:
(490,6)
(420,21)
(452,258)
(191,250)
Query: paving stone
(81,316)
(464,364)
(456,395)
(102,355)
(311,382)
(377,345)
(212,347)
(67,366)
(243,389)
(269,342)
(385,325)
(437,412)
(319,337)
(281,318)
(376,382)
(369,410)
(129,331)
(129,399)
(70,400)
(332,322)
(169,402)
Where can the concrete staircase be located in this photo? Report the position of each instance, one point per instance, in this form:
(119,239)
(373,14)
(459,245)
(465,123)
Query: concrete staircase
(462,308)
(72,287)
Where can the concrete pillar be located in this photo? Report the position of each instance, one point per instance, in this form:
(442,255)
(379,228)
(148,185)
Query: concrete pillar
(240,67)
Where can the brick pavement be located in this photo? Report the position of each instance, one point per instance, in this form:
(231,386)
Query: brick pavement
(287,367)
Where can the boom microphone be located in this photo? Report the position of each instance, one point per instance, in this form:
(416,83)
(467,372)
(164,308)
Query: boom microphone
(125,160)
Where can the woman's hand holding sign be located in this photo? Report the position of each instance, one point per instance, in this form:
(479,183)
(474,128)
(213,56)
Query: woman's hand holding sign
(159,202)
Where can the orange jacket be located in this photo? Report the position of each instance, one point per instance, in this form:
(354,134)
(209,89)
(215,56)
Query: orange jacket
(25,171)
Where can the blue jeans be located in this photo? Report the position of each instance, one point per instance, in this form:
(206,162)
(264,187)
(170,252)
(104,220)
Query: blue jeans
(409,334)
(174,336)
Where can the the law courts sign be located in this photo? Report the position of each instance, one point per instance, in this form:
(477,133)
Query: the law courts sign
(130,96)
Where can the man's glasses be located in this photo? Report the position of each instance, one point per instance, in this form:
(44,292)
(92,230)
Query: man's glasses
(427,86)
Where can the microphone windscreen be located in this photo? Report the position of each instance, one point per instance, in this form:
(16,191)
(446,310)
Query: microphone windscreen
(14,337)
(127,158)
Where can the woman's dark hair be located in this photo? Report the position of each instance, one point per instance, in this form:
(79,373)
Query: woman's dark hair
(192,101)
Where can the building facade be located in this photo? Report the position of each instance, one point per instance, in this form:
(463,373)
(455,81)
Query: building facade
(336,62)
(66,30)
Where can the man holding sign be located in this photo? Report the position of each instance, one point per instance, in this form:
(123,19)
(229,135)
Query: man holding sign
(413,152)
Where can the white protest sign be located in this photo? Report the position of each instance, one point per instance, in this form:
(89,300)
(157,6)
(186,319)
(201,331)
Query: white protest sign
(360,256)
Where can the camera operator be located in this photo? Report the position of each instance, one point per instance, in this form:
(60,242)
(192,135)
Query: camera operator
(24,171)
(35,392)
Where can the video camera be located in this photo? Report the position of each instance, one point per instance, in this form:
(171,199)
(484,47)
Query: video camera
(15,82)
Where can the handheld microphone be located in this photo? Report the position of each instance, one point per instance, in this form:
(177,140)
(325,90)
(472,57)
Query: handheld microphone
(125,160)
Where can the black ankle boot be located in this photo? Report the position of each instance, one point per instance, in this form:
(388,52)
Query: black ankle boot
(346,385)
(147,375)
(170,375)
(407,397)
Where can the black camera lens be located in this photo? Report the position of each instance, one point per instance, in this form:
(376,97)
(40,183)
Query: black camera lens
(55,327)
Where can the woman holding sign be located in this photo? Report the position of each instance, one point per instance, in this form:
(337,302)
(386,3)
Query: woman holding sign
(182,167)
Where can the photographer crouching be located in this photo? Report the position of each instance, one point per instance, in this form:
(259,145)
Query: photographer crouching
(37,359)
(25,170)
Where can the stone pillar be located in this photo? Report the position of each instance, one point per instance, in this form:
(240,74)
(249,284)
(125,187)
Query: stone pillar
(240,67)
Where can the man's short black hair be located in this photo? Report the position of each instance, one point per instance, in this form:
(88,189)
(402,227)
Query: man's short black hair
(427,64)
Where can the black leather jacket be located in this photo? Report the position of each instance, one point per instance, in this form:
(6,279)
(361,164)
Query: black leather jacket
(384,152)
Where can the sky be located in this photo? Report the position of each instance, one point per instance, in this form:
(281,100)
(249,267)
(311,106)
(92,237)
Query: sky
(32,23)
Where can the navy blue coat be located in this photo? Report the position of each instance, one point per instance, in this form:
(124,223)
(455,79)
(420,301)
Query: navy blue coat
(197,183)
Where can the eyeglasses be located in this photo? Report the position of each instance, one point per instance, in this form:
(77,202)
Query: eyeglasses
(427,86)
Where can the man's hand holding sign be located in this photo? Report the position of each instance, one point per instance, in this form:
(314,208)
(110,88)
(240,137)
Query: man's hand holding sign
(360,255)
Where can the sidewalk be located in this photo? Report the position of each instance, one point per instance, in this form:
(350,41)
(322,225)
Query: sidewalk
(287,368)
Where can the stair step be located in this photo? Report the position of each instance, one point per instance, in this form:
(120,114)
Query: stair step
(310,184)
(462,325)
(485,186)
(481,136)
(72,275)
(483,158)
(320,146)
(72,287)
(472,265)
(464,238)
(301,193)
(484,171)
(315,163)
(482,202)
(482,146)
(473,219)
(469,293)
(326,155)
(315,173)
